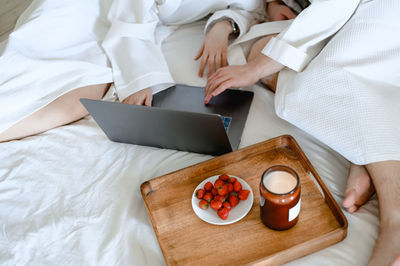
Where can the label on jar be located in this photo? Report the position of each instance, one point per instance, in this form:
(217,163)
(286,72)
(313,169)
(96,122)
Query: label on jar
(262,201)
(294,211)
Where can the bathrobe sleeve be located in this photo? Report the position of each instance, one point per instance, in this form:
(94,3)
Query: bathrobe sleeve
(136,59)
(241,17)
(309,32)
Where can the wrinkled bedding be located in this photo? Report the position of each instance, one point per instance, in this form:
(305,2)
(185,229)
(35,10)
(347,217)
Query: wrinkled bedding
(70,196)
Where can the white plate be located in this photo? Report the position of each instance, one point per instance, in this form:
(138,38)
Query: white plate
(210,215)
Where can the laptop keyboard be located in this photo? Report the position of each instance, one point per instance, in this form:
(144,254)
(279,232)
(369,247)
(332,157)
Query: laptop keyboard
(226,120)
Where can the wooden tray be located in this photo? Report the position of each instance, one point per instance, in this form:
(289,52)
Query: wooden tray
(185,239)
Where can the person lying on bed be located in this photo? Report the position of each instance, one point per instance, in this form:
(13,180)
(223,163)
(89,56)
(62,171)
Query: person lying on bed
(45,71)
(339,82)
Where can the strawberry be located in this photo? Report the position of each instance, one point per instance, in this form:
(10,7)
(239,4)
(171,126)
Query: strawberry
(225,197)
(223,190)
(233,200)
(218,183)
(220,198)
(224,177)
(208,197)
(223,213)
(227,205)
(230,187)
(243,194)
(214,191)
(200,193)
(208,186)
(216,204)
(203,204)
(232,180)
(237,186)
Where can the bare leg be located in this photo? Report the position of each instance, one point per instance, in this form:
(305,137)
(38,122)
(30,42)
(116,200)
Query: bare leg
(256,49)
(359,188)
(63,110)
(386,178)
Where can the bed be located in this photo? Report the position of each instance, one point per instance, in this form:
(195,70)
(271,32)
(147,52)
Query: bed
(70,196)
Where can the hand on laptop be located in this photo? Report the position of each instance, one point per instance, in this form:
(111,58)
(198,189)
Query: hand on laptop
(214,48)
(143,97)
(240,76)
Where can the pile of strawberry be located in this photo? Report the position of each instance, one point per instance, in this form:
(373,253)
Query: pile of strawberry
(224,195)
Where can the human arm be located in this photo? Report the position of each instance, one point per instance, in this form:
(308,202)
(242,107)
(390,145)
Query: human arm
(136,59)
(296,46)
(213,51)
(240,76)
(222,25)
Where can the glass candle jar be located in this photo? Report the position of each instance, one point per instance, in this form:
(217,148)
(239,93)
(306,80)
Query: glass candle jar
(280,197)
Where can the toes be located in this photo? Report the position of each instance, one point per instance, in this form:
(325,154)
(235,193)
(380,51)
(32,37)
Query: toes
(350,198)
(359,188)
(352,209)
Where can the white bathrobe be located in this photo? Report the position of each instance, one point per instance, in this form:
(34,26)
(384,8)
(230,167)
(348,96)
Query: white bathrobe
(342,81)
(58,46)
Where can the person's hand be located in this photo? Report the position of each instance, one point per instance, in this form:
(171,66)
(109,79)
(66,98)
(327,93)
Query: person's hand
(277,11)
(229,77)
(214,48)
(240,76)
(143,97)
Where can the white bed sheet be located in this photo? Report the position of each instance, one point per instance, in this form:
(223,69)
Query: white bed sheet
(70,196)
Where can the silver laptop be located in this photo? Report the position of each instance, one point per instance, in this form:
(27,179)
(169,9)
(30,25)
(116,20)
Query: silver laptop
(178,119)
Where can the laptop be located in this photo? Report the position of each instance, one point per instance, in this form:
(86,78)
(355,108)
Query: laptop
(178,120)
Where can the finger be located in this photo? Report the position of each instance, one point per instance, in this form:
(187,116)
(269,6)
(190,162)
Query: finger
(139,100)
(224,59)
(203,65)
(222,87)
(289,14)
(281,17)
(216,91)
(218,59)
(200,52)
(350,198)
(148,100)
(216,82)
(129,100)
(210,67)
(217,74)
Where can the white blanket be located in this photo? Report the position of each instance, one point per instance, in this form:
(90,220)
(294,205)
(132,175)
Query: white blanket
(70,196)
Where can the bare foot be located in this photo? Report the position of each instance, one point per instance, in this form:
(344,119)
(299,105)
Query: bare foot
(359,188)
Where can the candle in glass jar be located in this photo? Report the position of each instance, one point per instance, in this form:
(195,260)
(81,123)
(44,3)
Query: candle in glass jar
(280,197)
(280,182)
